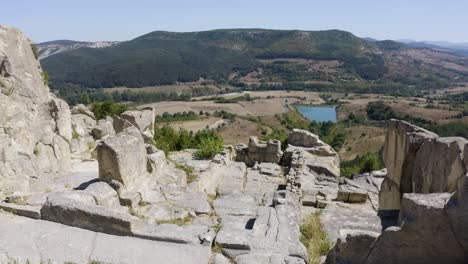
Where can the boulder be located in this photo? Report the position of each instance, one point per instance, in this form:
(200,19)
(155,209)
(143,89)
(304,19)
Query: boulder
(143,120)
(123,157)
(103,128)
(103,194)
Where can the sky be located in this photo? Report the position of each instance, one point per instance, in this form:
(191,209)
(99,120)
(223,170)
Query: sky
(93,20)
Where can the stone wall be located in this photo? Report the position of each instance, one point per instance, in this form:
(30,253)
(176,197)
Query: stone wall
(259,151)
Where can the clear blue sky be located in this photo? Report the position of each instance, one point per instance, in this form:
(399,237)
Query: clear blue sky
(92,20)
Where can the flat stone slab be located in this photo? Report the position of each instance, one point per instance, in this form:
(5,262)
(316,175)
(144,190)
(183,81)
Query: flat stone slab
(351,217)
(61,209)
(233,179)
(23,210)
(270,169)
(188,199)
(169,232)
(24,239)
(236,204)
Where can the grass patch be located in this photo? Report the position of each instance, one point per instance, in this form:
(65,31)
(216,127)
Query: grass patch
(180,222)
(191,177)
(75,135)
(216,248)
(314,238)
(135,213)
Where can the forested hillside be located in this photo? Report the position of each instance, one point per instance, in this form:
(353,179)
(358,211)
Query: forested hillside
(243,57)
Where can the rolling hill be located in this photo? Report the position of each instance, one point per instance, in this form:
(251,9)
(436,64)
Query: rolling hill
(253,56)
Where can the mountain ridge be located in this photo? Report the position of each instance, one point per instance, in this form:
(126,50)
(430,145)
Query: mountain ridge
(163,57)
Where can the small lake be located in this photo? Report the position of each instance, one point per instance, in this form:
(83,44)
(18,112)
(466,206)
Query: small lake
(319,114)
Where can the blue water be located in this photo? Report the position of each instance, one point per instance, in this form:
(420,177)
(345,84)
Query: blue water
(319,114)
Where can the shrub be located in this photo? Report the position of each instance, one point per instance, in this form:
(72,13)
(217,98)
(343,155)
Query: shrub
(34,50)
(208,142)
(379,111)
(45,77)
(361,164)
(108,108)
(209,147)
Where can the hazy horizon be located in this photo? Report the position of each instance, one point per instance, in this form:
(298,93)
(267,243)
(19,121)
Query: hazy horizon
(120,20)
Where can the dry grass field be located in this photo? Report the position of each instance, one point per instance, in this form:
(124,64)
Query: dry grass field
(360,140)
(196,125)
(269,103)
(240,131)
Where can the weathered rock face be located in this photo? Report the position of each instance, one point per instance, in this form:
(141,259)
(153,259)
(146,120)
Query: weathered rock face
(82,123)
(439,165)
(418,161)
(35,127)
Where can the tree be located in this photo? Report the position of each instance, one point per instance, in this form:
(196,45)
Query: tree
(379,111)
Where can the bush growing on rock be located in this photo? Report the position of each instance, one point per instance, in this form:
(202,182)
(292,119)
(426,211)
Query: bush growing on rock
(108,108)
(208,142)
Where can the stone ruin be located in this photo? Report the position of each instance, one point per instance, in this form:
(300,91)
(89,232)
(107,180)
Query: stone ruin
(76,189)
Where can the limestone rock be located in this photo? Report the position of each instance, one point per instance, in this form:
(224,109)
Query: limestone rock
(143,120)
(424,234)
(30,117)
(103,194)
(61,209)
(61,114)
(122,157)
(402,142)
(270,169)
(352,247)
(350,194)
(81,109)
(439,165)
(103,128)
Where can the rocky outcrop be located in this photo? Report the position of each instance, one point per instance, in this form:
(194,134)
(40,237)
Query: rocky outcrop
(35,126)
(418,161)
(317,155)
(427,187)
